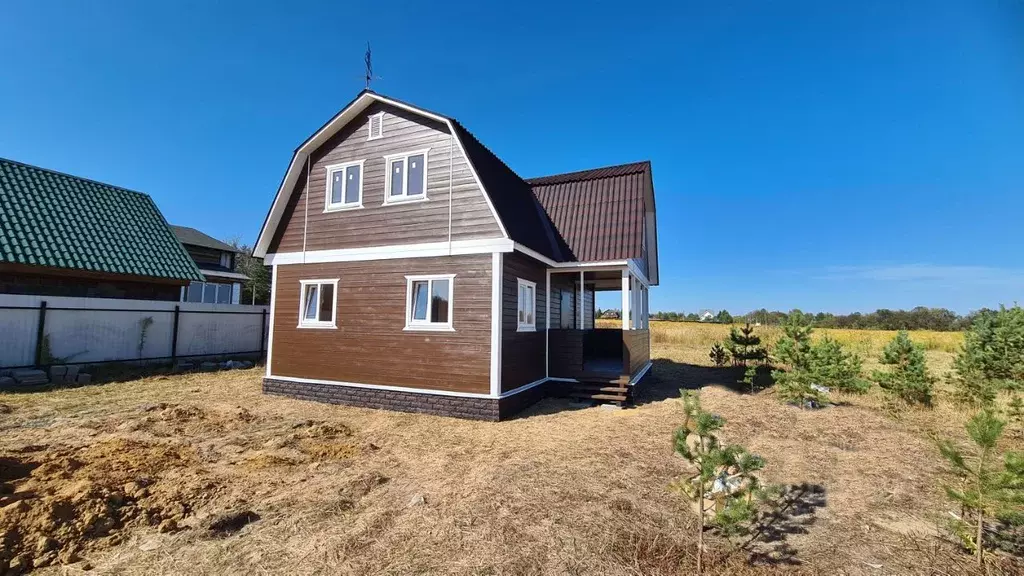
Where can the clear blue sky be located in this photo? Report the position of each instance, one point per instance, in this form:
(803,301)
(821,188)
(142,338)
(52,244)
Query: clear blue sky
(824,155)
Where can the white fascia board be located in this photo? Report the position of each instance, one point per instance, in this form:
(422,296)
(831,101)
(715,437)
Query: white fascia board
(424,250)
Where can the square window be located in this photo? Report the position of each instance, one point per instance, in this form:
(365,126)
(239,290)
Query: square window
(318,304)
(429,302)
(344,186)
(527,307)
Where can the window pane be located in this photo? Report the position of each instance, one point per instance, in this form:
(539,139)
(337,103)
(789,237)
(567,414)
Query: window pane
(311,302)
(209,293)
(337,184)
(223,293)
(439,301)
(397,176)
(416,175)
(326,302)
(419,300)
(194,292)
(352,176)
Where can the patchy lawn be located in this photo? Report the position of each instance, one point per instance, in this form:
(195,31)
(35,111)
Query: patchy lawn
(202,474)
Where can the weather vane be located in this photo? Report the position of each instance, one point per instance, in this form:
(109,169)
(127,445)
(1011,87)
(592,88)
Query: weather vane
(369,68)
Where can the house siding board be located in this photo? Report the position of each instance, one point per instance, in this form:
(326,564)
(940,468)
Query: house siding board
(370,345)
(638,349)
(522,353)
(377,224)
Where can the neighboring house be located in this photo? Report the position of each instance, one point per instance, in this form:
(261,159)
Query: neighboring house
(413,270)
(61,235)
(706,316)
(218,263)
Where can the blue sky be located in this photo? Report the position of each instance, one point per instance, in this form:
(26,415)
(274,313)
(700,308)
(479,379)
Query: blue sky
(822,155)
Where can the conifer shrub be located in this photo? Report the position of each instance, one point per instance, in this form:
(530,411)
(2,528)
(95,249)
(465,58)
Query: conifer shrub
(907,381)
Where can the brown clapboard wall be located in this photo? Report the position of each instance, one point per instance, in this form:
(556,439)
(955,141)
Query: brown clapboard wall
(370,345)
(522,353)
(376,224)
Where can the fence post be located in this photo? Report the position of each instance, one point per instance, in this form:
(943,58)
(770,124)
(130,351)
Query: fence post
(40,334)
(263,330)
(174,335)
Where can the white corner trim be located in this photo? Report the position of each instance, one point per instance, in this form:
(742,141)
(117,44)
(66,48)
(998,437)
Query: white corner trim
(427,325)
(318,324)
(496,288)
(338,206)
(520,325)
(640,374)
(388,175)
(423,250)
(273,305)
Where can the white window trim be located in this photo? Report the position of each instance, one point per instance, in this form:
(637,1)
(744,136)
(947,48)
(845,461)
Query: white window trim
(303,323)
(388,198)
(338,206)
(526,326)
(427,325)
(369,127)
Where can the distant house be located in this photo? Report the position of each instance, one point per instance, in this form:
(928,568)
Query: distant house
(414,270)
(218,263)
(61,235)
(706,316)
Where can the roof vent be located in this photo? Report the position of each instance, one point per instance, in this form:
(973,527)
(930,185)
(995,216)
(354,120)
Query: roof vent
(376,126)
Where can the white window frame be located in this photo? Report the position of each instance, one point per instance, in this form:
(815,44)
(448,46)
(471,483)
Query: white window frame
(522,326)
(388,173)
(337,206)
(427,325)
(303,323)
(369,126)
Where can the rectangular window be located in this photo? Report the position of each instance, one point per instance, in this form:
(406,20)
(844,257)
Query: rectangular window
(376,126)
(406,176)
(566,317)
(429,302)
(319,303)
(527,311)
(344,186)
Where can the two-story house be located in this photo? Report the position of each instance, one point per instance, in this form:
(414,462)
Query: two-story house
(413,270)
(217,261)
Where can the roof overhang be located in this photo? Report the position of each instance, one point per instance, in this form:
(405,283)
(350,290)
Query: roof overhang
(335,124)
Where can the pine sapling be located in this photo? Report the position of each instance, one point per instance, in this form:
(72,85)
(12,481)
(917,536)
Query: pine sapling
(836,369)
(795,384)
(985,489)
(744,345)
(718,355)
(907,381)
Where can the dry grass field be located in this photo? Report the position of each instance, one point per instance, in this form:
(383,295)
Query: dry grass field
(202,474)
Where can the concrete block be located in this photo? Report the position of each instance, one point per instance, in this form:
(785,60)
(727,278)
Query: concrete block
(72,372)
(58,372)
(84,378)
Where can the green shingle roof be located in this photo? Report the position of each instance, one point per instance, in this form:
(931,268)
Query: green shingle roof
(52,219)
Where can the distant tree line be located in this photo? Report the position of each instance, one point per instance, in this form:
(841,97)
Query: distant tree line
(919,318)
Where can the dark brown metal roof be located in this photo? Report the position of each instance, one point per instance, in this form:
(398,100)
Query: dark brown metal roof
(600,212)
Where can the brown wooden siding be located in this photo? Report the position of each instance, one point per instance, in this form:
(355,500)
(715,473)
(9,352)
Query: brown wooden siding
(566,353)
(567,283)
(522,353)
(204,256)
(370,345)
(638,349)
(376,224)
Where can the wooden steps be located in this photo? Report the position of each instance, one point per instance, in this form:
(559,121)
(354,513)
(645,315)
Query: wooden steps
(615,390)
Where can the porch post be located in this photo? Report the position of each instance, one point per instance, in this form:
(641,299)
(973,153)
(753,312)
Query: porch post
(581,298)
(547,323)
(627,298)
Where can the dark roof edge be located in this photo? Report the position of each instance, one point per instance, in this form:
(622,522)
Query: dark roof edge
(592,173)
(67,175)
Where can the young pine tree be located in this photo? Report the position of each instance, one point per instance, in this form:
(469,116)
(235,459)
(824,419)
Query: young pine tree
(992,357)
(836,369)
(987,488)
(907,381)
(744,345)
(793,350)
(718,355)
(723,485)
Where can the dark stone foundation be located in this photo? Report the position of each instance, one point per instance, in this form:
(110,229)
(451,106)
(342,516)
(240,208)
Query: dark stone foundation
(455,406)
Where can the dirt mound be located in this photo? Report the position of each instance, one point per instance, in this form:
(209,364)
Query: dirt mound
(59,501)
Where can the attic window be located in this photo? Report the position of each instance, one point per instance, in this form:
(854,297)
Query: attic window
(376,126)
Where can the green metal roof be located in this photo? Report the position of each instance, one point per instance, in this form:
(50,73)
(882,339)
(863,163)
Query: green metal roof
(52,219)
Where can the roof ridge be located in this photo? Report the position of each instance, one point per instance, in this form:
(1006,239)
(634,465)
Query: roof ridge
(68,175)
(640,166)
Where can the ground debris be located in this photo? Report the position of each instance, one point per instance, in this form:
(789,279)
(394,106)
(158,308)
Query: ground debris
(231,522)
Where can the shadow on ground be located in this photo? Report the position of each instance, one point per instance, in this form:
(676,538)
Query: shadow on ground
(794,511)
(667,378)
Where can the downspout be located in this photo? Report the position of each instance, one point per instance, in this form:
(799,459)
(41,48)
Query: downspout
(451,171)
(305,218)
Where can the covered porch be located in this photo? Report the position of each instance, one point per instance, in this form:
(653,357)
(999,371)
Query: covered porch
(579,347)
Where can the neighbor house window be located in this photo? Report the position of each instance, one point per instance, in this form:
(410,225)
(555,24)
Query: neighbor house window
(406,177)
(208,293)
(376,126)
(344,186)
(429,302)
(527,312)
(318,305)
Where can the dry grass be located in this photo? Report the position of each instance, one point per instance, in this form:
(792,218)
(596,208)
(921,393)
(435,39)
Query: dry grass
(556,491)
